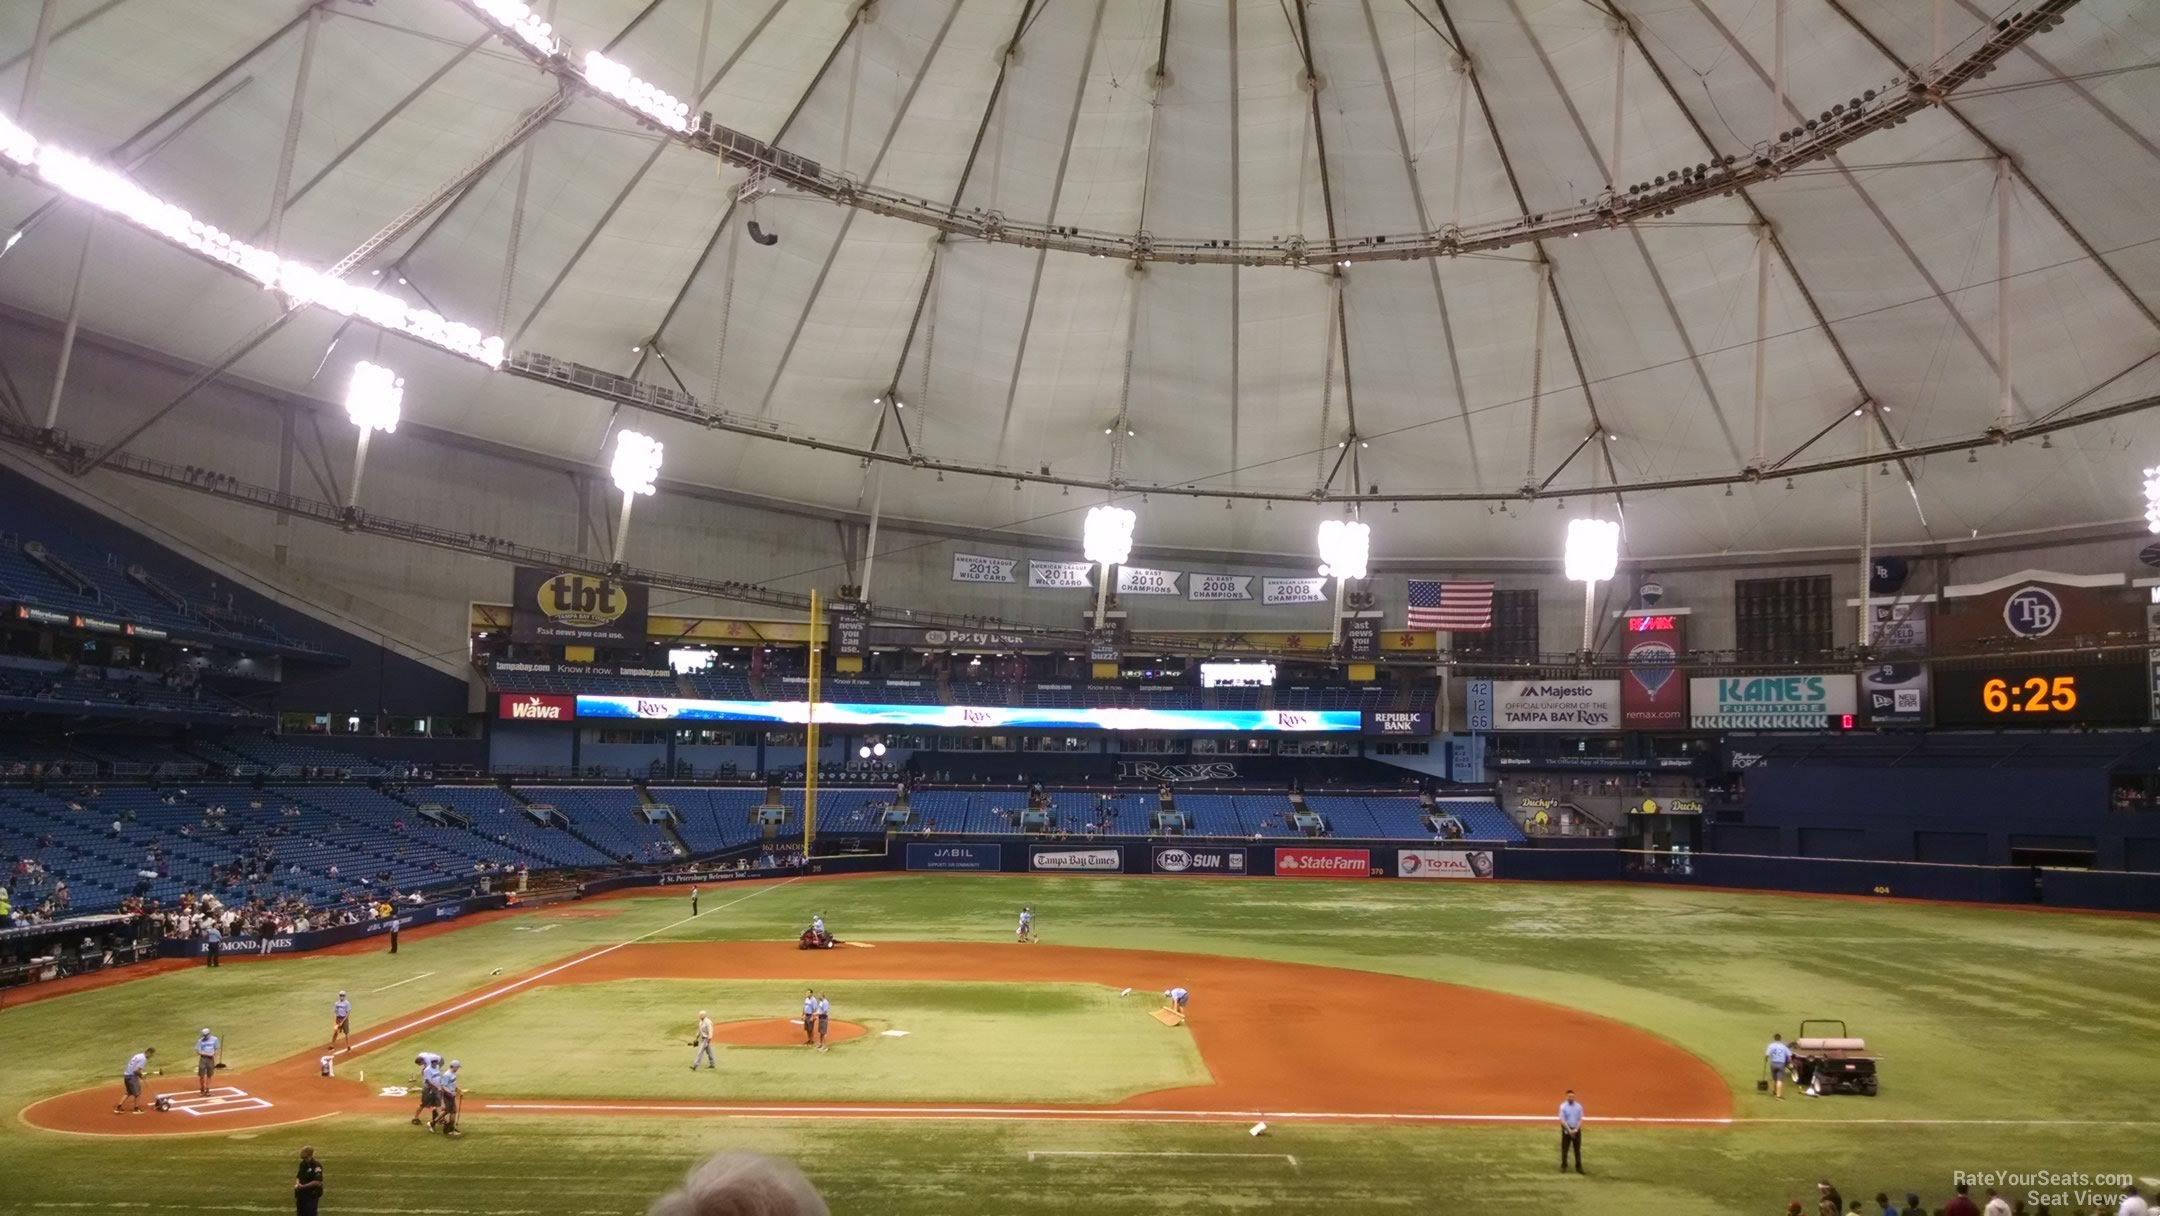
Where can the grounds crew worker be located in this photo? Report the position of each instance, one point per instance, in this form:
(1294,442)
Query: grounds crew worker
(1570,1131)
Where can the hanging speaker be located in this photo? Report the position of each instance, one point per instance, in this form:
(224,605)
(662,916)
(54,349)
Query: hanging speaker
(1887,577)
(761,236)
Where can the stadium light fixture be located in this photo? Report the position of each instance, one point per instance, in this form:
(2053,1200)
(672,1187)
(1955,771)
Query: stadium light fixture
(1106,539)
(112,192)
(636,467)
(1345,547)
(2152,499)
(524,24)
(371,401)
(1593,554)
(618,81)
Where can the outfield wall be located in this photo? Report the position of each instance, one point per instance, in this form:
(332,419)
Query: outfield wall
(335,935)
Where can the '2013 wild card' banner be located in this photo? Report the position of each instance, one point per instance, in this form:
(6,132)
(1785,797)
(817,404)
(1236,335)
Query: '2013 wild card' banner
(975,568)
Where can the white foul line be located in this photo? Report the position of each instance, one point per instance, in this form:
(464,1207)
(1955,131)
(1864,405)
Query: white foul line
(1134,1113)
(514,985)
(1032,1155)
(400,984)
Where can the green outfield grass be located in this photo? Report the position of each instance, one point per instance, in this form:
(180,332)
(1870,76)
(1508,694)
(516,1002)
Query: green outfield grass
(1979,1015)
(962,1042)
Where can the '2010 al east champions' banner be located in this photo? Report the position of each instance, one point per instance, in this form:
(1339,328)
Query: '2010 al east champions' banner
(1770,702)
(1653,693)
(1544,704)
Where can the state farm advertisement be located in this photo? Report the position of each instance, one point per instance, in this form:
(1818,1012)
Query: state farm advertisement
(1323,863)
(1444,863)
(536,707)
(1077,859)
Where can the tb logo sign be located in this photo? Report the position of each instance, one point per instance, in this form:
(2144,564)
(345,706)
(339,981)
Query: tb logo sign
(2032,612)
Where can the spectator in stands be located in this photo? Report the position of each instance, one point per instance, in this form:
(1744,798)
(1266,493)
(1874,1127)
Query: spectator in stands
(1960,1204)
(1827,1200)
(742,1184)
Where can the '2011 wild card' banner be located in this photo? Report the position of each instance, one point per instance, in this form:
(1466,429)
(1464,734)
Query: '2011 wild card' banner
(975,568)
(1060,576)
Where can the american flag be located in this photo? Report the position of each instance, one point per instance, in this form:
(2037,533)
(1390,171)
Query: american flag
(1451,607)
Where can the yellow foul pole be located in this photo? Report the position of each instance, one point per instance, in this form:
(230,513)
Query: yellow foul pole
(810,730)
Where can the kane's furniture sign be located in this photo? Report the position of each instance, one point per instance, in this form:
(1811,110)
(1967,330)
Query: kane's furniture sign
(980,857)
(1323,863)
(1574,705)
(1444,863)
(1770,702)
(1098,860)
(579,609)
(1200,861)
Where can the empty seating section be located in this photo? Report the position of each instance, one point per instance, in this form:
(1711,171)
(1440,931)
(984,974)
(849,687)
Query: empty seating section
(287,757)
(1350,816)
(1367,696)
(721,685)
(1482,818)
(500,816)
(977,692)
(109,592)
(710,820)
(611,817)
(1211,815)
(595,683)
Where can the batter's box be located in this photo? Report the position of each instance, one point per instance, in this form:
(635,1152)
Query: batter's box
(224,1100)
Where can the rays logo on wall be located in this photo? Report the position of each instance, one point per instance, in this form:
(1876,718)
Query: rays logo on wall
(1652,696)
(2032,612)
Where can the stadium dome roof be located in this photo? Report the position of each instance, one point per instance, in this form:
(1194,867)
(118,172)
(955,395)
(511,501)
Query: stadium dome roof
(1292,136)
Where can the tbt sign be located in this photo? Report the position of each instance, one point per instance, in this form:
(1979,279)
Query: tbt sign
(578,609)
(1770,702)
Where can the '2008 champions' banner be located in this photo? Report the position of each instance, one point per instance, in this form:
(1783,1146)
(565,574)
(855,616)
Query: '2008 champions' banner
(1573,705)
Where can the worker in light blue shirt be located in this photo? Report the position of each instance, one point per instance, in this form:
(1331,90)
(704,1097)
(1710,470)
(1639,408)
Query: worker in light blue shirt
(430,1100)
(446,1083)
(207,1049)
(1570,1131)
(341,1020)
(824,1019)
(1780,1057)
(809,1018)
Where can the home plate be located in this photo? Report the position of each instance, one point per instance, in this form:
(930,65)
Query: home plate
(893,1034)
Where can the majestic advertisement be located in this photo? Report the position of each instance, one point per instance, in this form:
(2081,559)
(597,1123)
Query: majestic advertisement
(1060,576)
(1200,861)
(1894,690)
(953,856)
(1810,702)
(1414,723)
(1571,705)
(1444,863)
(1094,860)
(1323,863)
(980,717)
(2042,693)
(1653,693)
(975,568)
(535,707)
(564,606)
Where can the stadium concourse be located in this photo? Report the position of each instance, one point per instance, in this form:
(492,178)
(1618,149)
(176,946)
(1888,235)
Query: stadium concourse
(1276,606)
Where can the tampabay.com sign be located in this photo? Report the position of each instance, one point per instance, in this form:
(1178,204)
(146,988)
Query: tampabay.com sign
(976,717)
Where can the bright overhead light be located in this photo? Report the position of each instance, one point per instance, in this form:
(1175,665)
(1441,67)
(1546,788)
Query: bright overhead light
(1345,546)
(1593,550)
(112,192)
(618,81)
(523,23)
(12,238)
(877,749)
(863,751)
(637,462)
(2152,500)
(1107,535)
(373,398)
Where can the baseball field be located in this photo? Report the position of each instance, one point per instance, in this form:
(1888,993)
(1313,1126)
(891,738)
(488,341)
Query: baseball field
(1407,1045)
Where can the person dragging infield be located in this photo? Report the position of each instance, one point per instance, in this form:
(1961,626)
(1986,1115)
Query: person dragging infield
(1570,1131)
(307,1184)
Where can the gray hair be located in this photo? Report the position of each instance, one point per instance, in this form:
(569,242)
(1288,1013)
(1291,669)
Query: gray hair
(742,1184)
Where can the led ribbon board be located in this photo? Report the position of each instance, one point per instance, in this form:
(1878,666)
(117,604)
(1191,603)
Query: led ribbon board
(976,717)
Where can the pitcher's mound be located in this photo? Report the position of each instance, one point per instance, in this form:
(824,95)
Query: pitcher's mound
(778,1032)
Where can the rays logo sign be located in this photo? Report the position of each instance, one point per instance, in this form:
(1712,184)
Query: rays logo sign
(1652,696)
(2032,612)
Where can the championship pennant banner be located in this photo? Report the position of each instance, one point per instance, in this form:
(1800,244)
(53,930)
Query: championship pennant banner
(1220,587)
(1293,590)
(974,568)
(1059,576)
(1139,580)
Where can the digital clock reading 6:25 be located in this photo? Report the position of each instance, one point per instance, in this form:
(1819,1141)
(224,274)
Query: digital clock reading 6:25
(2042,695)
(2031,695)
